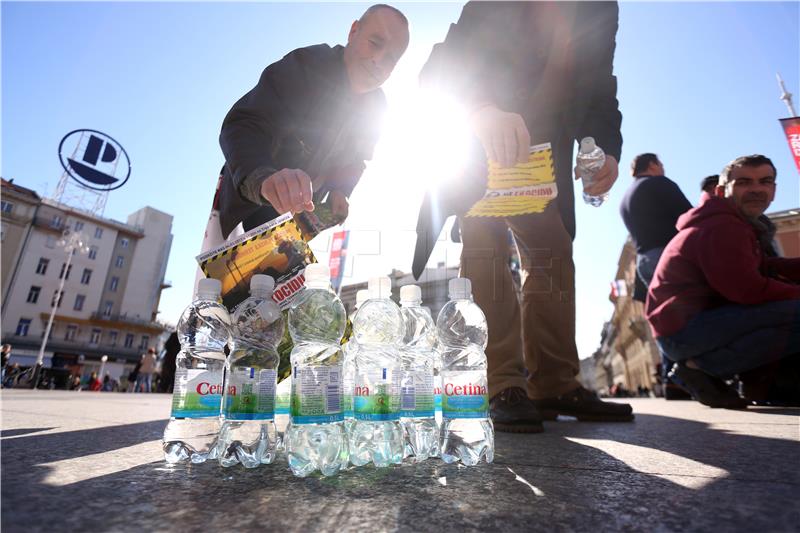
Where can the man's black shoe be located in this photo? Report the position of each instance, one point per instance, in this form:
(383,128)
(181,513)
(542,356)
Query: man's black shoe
(707,389)
(585,406)
(513,412)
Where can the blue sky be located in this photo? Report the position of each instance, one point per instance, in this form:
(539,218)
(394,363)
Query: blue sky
(696,85)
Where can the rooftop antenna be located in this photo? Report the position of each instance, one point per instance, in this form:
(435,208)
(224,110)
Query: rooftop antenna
(786,96)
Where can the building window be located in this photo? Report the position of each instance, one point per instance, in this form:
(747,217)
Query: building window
(123,242)
(144,343)
(58,295)
(68,270)
(33,294)
(108,308)
(72,332)
(98,233)
(114,284)
(87,276)
(120,261)
(79,301)
(57,222)
(78,225)
(93,252)
(22,327)
(41,268)
(112,338)
(95,338)
(7,207)
(2,232)
(129,340)
(51,242)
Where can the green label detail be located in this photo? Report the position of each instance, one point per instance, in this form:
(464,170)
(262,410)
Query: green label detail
(317,395)
(250,394)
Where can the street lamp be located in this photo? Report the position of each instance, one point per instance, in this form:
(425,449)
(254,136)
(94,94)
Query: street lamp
(102,366)
(71,242)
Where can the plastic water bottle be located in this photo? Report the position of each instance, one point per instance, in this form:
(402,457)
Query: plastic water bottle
(467,433)
(248,425)
(349,368)
(591,158)
(417,409)
(316,438)
(203,331)
(283,400)
(377,435)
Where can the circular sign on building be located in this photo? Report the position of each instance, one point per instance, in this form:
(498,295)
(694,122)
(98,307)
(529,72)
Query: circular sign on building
(95,160)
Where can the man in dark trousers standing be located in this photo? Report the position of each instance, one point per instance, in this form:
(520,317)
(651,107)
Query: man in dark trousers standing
(305,130)
(650,209)
(528,73)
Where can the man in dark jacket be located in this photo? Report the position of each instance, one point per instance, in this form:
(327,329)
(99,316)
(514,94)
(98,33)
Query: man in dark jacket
(717,304)
(528,73)
(650,209)
(305,130)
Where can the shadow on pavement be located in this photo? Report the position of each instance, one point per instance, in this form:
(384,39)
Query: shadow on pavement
(574,476)
(21,431)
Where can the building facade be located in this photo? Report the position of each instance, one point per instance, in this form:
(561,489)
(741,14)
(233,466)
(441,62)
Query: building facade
(111,291)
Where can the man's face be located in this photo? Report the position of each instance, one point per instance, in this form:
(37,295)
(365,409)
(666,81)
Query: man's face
(750,189)
(373,48)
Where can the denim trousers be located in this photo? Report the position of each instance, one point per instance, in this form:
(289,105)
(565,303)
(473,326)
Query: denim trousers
(731,339)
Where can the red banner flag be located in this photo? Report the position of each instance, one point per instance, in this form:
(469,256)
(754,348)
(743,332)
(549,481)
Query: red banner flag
(791,126)
(337,257)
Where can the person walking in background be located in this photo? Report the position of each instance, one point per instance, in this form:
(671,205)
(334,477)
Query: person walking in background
(144,381)
(528,73)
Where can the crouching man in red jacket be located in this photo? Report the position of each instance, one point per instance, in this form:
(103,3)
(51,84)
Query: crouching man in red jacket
(717,305)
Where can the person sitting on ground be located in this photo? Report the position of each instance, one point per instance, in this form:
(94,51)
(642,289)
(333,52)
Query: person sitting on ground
(717,305)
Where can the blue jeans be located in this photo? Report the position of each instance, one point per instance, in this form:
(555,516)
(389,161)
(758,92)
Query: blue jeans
(732,339)
(646,264)
(145,380)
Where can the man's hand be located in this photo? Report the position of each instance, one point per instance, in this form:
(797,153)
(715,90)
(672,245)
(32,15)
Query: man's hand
(340,207)
(604,179)
(503,135)
(288,190)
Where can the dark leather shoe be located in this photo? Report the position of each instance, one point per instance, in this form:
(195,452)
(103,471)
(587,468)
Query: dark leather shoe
(513,412)
(585,406)
(707,389)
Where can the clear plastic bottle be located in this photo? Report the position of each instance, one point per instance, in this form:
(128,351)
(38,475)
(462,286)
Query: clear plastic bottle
(283,401)
(315,437)
(590,159)
(349,367)
(203,331)
(377,435)
(417,409)
(467,433)
(248,425)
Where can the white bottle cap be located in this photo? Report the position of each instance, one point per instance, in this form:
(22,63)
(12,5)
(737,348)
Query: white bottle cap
(587,145)
(459,289)
(317,275)
(411,294)
(261,282)
(209,288)
(361,297)
(380,287)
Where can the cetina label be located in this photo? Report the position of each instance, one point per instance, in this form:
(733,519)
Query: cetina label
(197,393)
(376,395)
(416,395)
(250,394)
(317,395)
(465,394)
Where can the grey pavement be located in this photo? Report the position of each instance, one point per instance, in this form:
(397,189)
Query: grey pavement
(80,461)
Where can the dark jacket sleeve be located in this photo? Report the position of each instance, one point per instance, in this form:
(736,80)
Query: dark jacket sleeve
(595,43)
(249,129)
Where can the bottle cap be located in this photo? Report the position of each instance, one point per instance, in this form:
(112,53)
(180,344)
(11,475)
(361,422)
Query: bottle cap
(361,297)
(209,288)
(317,274)
(261,282)
(411,294)
(380,287)
(459,289)
(587,145)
